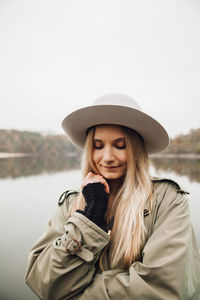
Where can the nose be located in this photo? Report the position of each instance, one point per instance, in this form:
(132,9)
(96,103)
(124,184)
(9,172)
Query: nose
(108,155)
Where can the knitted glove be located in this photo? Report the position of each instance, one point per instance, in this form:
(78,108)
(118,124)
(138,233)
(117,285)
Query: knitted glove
(96,203)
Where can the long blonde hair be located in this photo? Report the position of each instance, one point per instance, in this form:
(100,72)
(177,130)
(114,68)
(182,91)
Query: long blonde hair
(127,210)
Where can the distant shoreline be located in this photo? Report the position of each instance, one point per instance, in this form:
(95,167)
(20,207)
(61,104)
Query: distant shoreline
(10,155)
(159,155)
(177,155)
(7,155)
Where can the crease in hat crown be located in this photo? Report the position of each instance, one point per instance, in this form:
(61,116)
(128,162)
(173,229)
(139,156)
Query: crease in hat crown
(117,99)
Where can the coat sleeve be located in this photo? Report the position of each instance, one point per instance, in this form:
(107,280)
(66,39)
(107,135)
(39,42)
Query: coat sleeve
(62,262)
(170,265)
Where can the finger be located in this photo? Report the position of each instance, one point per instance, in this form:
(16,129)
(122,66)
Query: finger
(104,182)
(92,178)
(107,188)
(99,178)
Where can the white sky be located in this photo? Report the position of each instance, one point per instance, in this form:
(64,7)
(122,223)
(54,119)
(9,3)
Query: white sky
(56,56)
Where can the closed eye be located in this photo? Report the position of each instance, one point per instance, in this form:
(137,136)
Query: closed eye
(97,144)
(120,143)
(121,146)
(98,147)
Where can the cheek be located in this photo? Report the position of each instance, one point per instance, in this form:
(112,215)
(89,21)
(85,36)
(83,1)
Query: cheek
(95,157)
(123,157)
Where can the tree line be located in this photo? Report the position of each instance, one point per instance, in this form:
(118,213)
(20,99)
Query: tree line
(185,143)
(15,141)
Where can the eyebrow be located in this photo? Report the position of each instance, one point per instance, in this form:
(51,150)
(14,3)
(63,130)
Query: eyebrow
(116,140)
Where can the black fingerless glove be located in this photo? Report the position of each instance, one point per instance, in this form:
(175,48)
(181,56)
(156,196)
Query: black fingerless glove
(96,203)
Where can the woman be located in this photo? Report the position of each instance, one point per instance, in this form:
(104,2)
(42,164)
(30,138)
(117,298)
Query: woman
(125,235)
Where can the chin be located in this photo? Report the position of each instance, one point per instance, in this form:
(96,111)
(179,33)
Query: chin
(112,176)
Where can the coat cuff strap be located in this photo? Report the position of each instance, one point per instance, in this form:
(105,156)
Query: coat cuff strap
(74,247)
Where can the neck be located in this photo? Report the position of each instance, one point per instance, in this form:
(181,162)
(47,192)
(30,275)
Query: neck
(114,188)
(114,185)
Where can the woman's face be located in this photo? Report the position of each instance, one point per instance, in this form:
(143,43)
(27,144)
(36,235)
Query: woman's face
(109,151)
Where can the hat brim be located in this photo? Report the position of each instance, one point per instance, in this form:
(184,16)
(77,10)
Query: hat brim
(76,124)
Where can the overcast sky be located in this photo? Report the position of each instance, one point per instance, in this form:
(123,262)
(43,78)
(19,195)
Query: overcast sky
(56,56)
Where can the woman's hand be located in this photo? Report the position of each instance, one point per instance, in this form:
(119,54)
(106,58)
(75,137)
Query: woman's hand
(92,178)
(95,190)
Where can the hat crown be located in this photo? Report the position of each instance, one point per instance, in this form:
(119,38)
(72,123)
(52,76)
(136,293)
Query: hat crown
(117,99)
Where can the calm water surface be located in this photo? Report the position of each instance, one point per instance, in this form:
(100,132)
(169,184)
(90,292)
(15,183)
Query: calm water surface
(30,189)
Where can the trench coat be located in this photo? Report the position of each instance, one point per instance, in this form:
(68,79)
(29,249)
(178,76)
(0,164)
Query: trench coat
(63,262)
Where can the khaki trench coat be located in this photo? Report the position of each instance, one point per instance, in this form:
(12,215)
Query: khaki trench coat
(169,268)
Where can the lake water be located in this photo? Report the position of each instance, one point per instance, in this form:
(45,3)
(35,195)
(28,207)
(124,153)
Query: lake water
(30,188)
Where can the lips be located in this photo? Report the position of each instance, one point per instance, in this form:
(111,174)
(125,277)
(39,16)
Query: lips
(110,167)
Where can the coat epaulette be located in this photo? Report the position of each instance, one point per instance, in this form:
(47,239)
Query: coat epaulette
(174,183)
(65,195)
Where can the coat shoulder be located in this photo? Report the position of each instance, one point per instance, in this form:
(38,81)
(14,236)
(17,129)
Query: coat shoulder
(63,211)
(167,193)
(65,203)
(161,181)
(65,195)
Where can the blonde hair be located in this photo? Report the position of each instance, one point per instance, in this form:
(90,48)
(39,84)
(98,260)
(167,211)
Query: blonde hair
(127,210)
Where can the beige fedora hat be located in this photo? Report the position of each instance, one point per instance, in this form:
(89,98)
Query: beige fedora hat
(115,109)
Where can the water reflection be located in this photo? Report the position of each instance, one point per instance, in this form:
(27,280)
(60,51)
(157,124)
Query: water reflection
(29,201)
(27,166)
(181,166)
